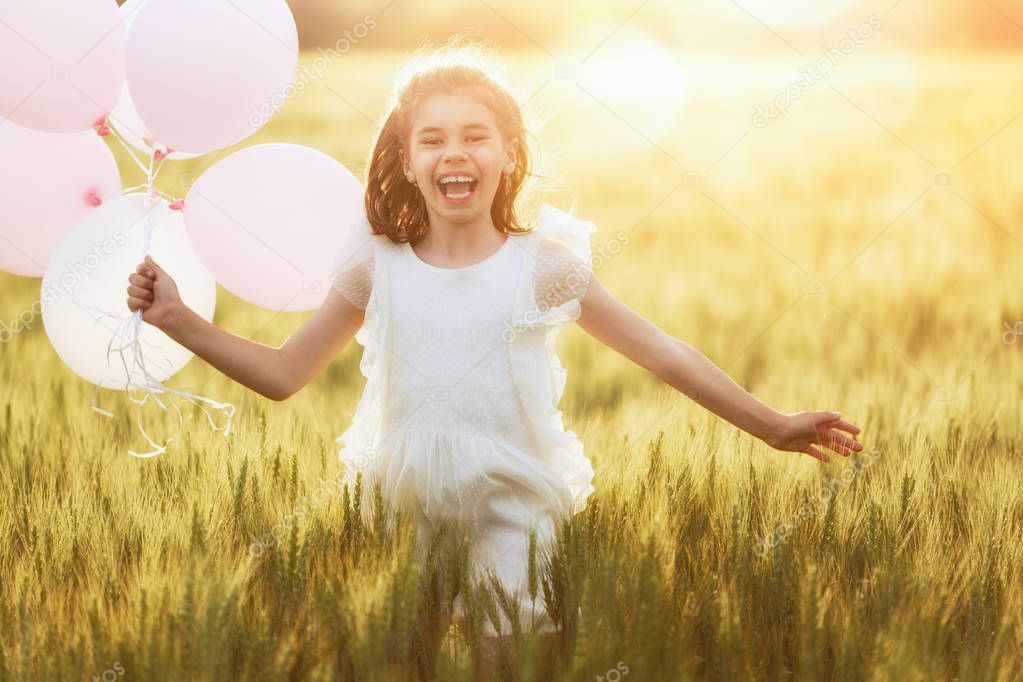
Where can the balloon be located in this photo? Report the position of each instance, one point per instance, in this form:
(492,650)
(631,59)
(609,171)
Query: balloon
(90,269)
(205,75)
(125,117)
(61,63)
(268,221)
(48,182)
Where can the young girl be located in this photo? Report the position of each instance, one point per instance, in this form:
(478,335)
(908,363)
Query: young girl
(457,304)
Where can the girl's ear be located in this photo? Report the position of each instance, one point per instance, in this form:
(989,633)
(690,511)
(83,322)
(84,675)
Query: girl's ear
(510,153)
(405,169)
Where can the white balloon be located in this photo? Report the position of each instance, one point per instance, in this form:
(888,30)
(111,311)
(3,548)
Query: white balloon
(90,269)
(125,117)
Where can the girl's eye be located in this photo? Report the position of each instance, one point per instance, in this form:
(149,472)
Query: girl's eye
(473,137)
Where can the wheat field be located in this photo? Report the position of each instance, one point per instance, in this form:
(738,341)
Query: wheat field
(861,253)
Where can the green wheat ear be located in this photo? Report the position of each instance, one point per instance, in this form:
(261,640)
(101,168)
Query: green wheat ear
(379,519)
(293,480)
(357,505)
(827,540)
(198,541)
(906,495)
(531,569)
(238,503)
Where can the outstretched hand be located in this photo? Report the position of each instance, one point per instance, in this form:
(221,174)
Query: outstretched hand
(802,431)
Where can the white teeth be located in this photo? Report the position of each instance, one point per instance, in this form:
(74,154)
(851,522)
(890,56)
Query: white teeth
(448,179)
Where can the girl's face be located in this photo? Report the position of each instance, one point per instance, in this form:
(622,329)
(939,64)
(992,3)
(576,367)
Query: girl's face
(456,135)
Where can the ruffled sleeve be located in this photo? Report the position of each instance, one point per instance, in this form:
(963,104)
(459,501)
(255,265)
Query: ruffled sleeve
(353,267)
(562,271)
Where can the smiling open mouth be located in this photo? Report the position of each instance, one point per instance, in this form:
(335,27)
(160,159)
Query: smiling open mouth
(459,189)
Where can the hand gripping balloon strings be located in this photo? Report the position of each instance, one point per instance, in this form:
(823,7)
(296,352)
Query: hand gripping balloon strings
(127,330)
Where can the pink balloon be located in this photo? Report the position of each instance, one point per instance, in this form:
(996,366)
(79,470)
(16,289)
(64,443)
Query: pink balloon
(205,75)
(61,62)
(48,183)
(124,117)
(269,221)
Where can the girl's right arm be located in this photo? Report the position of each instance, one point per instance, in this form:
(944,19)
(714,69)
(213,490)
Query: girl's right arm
(276,373)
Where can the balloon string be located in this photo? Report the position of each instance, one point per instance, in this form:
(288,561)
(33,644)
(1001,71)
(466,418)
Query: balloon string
(128,149)
(128,329)
(145,206)
(158,169)
(169,197)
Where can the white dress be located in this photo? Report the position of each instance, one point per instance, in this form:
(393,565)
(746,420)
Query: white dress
(459,417)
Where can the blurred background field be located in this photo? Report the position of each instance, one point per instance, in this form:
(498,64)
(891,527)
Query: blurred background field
(859,252)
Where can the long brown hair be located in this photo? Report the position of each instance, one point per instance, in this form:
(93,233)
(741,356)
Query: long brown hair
(394,206)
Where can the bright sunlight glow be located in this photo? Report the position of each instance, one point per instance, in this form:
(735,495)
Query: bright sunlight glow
(638,78)
(796,15)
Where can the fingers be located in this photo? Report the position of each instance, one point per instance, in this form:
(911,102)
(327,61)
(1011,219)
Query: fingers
(826,416)
(152,264)
(140,293)
(140,289)
(845,426)
(140,281)
(835,419)
(836,440)
(148,269)
(827,431)
(839,443)
(815,453)
(136,303)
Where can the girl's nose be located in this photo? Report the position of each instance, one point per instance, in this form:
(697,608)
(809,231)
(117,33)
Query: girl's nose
(455,154)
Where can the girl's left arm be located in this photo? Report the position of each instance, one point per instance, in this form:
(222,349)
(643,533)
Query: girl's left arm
(683,367)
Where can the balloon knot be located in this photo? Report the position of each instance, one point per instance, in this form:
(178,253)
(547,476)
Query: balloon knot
(93,198)
(177,205)
(159,155)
